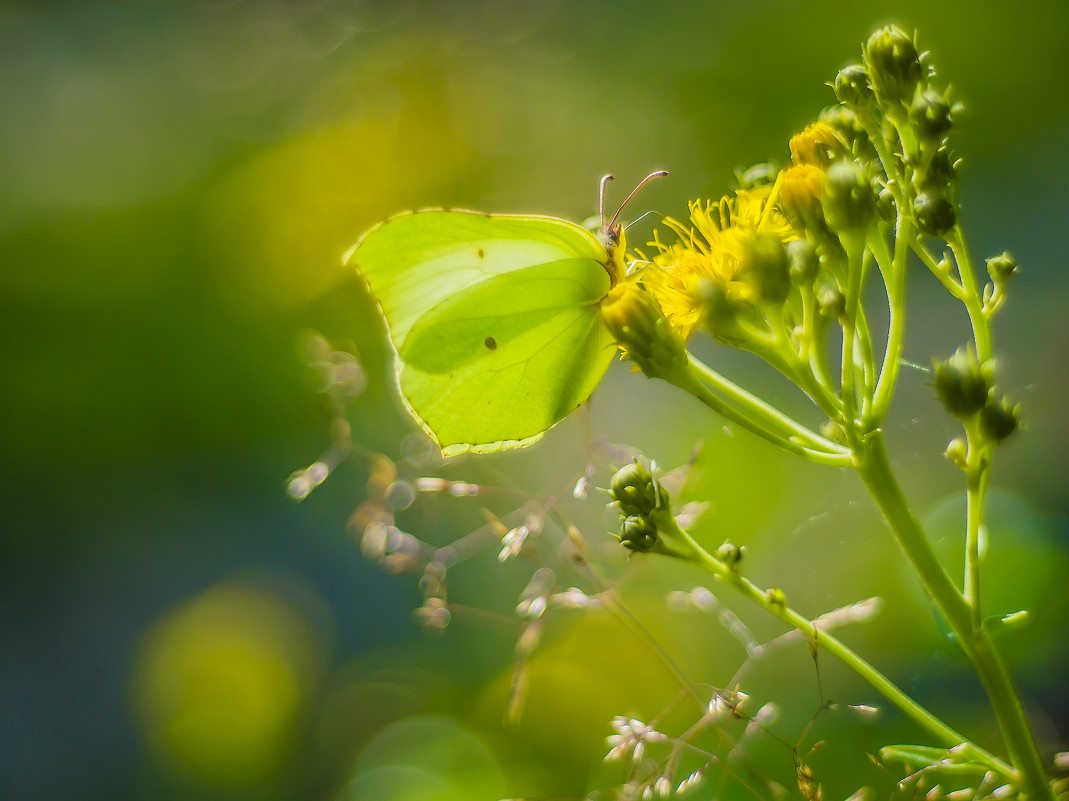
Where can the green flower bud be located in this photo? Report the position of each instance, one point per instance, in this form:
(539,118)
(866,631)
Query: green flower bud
(933,213)
(637,533)
(885,205)
(756,176)
(635,490)
(731,555)
(852,87)
(764,265)
(894,68)
(930,115)
(958,452)
(831,301)
(999,419)
(719,312)
(775,596)
(636,321)
(803,261)
(849,205)
(1001,268)
(961,383)
(844,121)
(939,174)
(834,431)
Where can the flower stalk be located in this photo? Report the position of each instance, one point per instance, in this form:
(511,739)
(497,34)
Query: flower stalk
(774,269)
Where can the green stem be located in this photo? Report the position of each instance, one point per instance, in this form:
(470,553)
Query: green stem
(977,462)
(976,486)
(972,300)
(739,406)
(952,286)
(855,249)
(947,736)
(817,327)
(868,359)
(786,358)
(875,471)
(896,303)
(798,372)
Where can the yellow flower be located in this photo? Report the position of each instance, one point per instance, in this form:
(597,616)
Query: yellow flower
(818,144)
(712,250)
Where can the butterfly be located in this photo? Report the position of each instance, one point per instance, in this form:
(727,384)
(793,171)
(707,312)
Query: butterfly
(494,318)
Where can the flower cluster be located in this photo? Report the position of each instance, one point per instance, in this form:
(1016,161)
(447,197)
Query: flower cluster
(777,267)
(731,250)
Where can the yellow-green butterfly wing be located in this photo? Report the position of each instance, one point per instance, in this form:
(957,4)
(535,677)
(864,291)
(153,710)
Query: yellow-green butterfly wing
(494,319)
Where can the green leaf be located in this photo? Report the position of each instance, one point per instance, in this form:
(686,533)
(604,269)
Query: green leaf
(494,319)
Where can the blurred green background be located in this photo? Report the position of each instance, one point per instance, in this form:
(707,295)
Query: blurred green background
(177,185)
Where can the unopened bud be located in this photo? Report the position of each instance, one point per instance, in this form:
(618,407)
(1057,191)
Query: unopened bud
(635,490)
(939,174)
(999,418)
(831,301)
(961,383)
(830,429)
(802,260)
(731,555)
(765,267)
(933,213)
(930,115)
(958,452)
(894,68)
(633,317)
(845,123)
(852,87)
(755,176)
(885,205)
(637,533)
(1001,268)
(775,596)
(719,312)
(848,202)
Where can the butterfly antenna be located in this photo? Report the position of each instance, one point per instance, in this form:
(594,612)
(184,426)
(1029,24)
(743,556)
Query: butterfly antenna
(601,203)
(642,183)
(643,217)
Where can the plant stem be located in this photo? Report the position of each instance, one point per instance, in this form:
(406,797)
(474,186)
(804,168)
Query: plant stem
(972,300)
(875,470)
(976,475)
(855,250)
(943,276)
(896,302)
(947,736)
(736,404)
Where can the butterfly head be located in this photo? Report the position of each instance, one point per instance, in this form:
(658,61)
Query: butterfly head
(613,240)
(611,234)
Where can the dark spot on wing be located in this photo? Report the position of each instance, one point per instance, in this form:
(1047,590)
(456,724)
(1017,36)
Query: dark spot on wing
(481,253)
(491,343)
